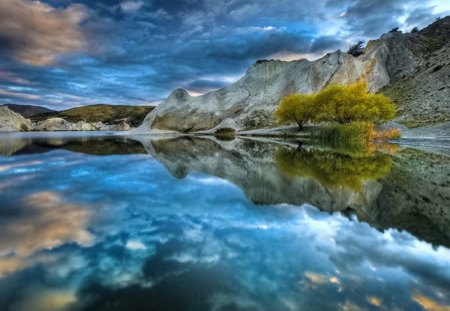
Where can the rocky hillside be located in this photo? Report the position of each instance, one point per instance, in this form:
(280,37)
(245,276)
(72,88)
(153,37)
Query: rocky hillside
(424,96)
(392,64)
(107,114)
(11,121)
(14,122)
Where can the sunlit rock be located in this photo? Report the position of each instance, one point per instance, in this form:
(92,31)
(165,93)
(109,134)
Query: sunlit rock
(12,122)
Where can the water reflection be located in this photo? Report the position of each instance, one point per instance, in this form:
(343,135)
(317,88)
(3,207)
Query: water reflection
(121,233)
(102,145)
(333,169)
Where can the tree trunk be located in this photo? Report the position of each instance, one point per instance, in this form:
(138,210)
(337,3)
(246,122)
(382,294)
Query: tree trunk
(300,125)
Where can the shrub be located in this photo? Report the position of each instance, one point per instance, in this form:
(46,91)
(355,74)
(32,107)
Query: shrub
(395,29)
(382,135)
(258,119)
(415,30)
(24,127)
(225,131)
(298,108)
(352,136)
(356,49)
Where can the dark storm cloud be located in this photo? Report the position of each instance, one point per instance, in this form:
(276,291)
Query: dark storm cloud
(136,51)
(369,18)
(326,43)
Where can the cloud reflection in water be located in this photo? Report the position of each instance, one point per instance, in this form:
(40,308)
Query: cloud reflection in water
(126,235)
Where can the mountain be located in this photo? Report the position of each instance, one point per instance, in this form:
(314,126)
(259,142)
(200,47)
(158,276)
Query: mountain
(413,68)
(107,114)
(28,110)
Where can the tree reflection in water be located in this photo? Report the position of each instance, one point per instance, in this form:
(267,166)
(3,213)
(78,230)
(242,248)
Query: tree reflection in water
(335,168)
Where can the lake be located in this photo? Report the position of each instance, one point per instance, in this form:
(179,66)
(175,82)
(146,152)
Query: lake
(103,222)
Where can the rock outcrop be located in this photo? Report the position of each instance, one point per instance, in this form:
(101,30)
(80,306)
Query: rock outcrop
(59,124)
(13,122)
(250,102)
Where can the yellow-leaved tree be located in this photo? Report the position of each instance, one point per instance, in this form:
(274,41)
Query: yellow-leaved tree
(345,104)
(298,108)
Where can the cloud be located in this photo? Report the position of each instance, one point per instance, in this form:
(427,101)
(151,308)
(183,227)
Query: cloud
(36,33)
(370,18)
(131,6)
(6,93)
(325,44)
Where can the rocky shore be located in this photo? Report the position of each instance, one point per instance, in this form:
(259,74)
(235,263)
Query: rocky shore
(11,121)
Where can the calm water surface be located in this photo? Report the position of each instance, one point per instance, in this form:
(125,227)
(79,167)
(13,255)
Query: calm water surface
(109,223)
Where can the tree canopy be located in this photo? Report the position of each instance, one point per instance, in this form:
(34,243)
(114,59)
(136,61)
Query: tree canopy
(336,103)
(298,108)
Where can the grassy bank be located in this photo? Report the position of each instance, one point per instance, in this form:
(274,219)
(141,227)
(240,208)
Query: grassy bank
(355,133)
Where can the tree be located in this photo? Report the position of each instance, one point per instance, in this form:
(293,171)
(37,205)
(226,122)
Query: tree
(356,49)
(345,104)
(298,108)
(415,30)
(395,29)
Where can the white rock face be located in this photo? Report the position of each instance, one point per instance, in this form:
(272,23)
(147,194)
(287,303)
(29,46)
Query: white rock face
(250,102)
(12,122)
(59,124)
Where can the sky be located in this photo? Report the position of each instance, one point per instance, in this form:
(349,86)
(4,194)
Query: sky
(67,53)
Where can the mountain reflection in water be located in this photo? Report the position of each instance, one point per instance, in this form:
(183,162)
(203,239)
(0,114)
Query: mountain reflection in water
(240,227)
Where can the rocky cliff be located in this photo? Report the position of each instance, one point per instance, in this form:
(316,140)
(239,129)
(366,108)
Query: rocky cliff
(11,121)
(250,102)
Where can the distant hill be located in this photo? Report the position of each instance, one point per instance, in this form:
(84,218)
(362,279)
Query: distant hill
(28,110)
(108,114)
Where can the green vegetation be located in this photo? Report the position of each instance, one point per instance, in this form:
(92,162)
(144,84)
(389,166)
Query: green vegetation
(332,169)
(356,49)
(353,135)
(24,128)
(109,114)
(225,133)
(349,136)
